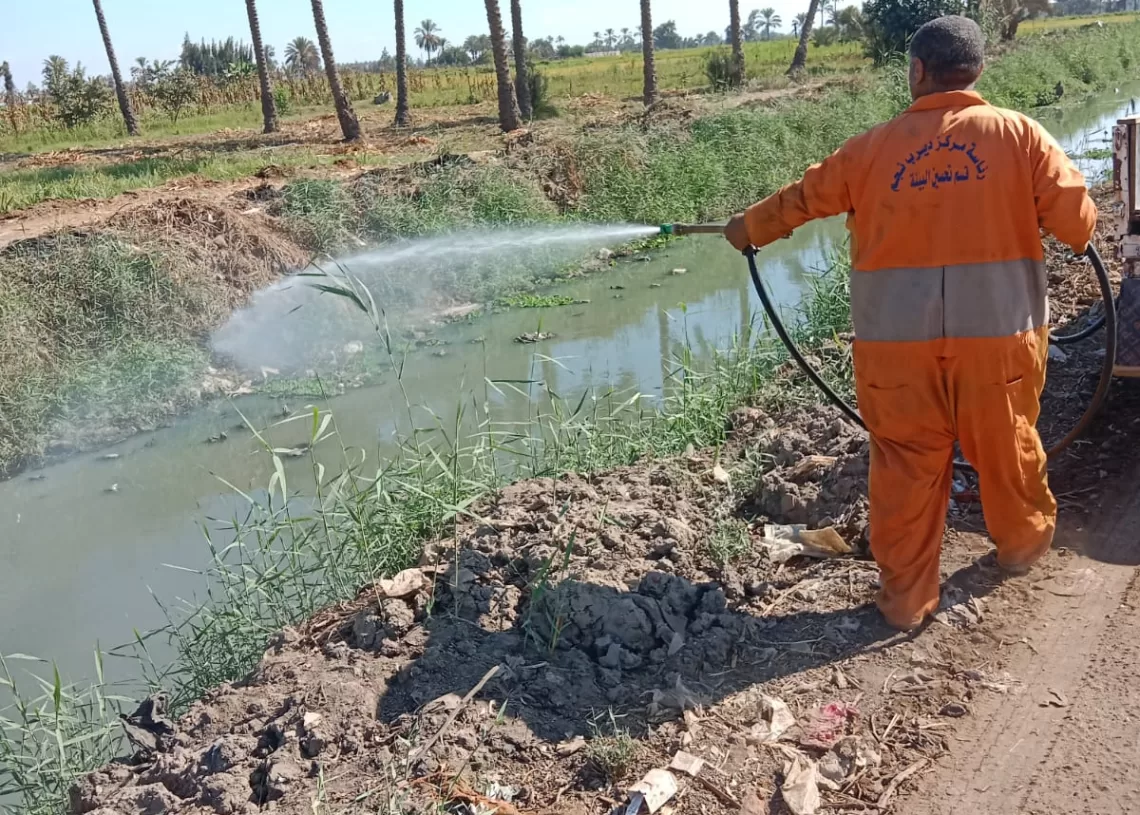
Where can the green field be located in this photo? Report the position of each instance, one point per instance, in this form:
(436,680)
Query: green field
(617,77)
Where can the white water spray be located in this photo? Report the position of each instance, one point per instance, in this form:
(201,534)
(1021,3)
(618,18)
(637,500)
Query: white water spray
(290,325)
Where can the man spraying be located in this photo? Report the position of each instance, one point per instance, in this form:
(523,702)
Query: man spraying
(945,205)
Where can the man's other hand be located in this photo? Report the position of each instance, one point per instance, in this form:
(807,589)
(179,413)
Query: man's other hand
(736,231)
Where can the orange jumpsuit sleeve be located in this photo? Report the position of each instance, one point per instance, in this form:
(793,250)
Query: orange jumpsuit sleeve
(823,191)
(1064,207)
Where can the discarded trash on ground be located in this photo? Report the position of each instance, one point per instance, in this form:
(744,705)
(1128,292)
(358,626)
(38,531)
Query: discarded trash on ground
(784,542)
(801,786)
(687,764)
(404,584)
(828,724)
(775,720)
(652,792)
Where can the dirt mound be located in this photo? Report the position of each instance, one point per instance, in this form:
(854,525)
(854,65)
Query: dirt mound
(245,251)
(578,634)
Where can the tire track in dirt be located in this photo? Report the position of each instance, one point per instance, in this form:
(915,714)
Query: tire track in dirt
(1059,743)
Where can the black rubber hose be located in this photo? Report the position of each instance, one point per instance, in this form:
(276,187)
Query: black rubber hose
(1108,321)
(1086,332)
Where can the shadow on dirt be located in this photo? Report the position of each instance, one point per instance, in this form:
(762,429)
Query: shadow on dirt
(577,652)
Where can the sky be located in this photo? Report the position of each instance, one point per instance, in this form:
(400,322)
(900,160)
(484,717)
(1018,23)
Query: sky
(360,29)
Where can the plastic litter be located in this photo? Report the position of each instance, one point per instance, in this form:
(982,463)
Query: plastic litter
(786,541)
(652,792)
(775,720)
(801,786)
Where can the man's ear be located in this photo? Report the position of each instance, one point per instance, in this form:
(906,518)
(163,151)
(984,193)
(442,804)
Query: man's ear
(917,71)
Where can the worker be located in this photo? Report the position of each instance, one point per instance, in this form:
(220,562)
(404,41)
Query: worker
(945,204)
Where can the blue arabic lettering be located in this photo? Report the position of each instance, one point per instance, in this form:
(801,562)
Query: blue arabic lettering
(898,178)
(937,179)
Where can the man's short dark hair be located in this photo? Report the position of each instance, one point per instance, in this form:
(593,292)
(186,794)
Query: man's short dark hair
(952,49)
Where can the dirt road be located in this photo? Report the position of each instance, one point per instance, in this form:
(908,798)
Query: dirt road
(1067,739)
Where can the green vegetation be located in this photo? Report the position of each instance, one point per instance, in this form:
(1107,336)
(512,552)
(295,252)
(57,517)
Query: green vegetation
(100,332)
(613,755)
(1063,64)
(536,300)
(730,541)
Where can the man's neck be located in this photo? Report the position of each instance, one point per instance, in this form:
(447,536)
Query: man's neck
(944,89)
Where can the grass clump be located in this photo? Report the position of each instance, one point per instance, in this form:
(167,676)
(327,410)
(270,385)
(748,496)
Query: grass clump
(614,754)
(95,330)
(729,542)
(320,213)
(51,735)
(536,300)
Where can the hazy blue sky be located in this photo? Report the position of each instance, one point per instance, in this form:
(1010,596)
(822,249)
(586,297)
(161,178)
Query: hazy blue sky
(360,28)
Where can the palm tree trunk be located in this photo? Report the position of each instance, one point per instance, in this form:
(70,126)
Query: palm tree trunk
(508,110)
(10,95)
(522,86)
(349,124)
(647,51)
(268,103)
(403,119)
(120,89)
(800,59)
(737,45)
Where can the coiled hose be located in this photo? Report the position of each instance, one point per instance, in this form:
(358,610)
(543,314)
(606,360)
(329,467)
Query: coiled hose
(1107,321)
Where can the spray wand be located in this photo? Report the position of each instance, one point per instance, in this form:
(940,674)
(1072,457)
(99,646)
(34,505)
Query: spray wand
(692,229)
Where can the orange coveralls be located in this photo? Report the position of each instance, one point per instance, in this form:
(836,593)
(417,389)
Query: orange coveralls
(945,205)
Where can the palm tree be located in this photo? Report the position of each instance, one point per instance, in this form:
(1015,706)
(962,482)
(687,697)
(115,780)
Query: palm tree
(611,37)
(800,59)
(769,20)
(9,95)
(268,103)
(403,117)
(427,37)
(647,52)
(737,45)
(508,109)
(301,56)
(349,124)
(798,21)
(120,89)
(522,83)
